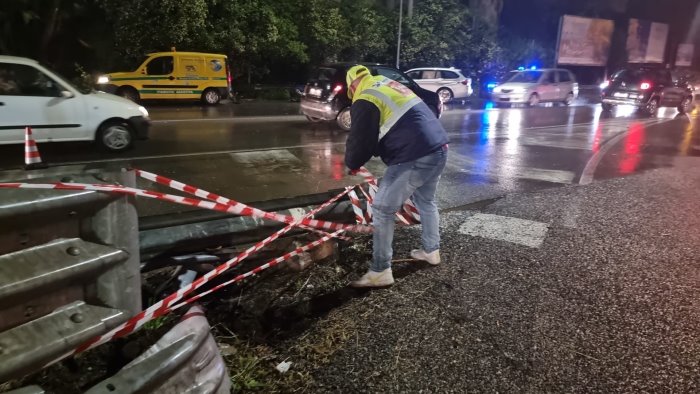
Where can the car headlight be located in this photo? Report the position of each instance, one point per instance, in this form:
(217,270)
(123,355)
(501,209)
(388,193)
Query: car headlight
(497,89)
(144,111)
(103,79)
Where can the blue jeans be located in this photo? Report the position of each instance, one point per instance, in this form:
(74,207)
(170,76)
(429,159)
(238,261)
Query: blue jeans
(416,179)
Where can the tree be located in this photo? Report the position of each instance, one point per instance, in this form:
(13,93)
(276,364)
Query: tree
(156,25)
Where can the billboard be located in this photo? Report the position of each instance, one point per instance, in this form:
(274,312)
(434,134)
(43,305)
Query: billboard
(684,56)
(646,41)
(584,41)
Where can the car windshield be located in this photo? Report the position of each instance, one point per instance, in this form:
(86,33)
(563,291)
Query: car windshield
(324,74)
(526,77)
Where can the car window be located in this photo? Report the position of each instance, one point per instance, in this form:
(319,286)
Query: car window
(430,74)
(324,73)
(414,75)
(449,75)
(550,77)
(564,76)
(162,65)
(526,77)
(393,74)
(24,80)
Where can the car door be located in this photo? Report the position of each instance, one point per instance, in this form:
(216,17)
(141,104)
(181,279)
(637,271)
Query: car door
(32,98)
(667,91)
(160,83)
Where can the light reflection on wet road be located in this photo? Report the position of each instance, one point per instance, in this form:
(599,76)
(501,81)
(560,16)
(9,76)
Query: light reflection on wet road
(492,151)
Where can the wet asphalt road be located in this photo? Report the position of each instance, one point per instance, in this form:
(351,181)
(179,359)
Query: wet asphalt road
(260,151)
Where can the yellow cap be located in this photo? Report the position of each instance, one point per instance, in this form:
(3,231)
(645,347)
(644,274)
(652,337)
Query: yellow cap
(354,76)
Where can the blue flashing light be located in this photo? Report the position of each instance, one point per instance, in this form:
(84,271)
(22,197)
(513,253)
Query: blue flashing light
(491,85)
(533,67)
(521,68)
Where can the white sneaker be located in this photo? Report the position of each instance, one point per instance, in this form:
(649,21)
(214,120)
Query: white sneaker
(375,279)
(433,258)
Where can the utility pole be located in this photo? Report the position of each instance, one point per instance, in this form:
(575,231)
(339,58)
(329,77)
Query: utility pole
(409,14)
(398,44)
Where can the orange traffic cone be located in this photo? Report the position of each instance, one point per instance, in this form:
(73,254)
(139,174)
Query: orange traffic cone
(32,158)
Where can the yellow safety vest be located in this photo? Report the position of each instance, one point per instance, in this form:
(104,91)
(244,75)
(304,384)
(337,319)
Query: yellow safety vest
(392,98)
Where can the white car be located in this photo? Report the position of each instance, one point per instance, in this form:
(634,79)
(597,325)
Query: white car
(32,95)
(532,87)
(448,83)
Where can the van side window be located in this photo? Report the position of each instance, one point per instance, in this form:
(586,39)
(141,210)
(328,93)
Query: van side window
(550,78)
(564,76)
(24,80)
(162,65)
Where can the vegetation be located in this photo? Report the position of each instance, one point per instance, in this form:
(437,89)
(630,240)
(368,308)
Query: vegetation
(273,42)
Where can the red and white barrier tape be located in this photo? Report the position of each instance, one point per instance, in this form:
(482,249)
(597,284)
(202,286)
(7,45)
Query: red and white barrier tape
(161,307)
(240,209)
(243,209)
(265,266)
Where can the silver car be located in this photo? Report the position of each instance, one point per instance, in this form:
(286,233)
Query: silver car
(532,87)
(448,83)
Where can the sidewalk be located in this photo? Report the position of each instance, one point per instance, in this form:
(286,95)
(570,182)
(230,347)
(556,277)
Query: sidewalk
(574,289)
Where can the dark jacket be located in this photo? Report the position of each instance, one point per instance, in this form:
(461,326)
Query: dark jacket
(416,134)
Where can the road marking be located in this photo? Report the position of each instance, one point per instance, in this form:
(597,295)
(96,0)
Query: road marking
(503,228)
(593,162)
(269,157)
(197,154)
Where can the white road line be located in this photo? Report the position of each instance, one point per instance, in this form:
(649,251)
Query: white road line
(503,228)
(196,154)
(531,173)
(593,162)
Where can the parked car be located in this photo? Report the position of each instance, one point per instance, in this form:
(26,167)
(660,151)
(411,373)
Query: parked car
(532,87)
(646,89)
(173,75)
(448,83)
(32,95)
(325,95)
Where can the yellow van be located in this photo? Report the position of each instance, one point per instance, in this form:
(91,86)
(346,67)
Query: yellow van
(173,75)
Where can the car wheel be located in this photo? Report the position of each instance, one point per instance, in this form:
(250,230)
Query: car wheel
(115,136)
(607,107)
(569,99)
(652,107)
(312,119)
(534,100)
(445,94)
(129,93)
(685,106)
(211,97)
(343,119)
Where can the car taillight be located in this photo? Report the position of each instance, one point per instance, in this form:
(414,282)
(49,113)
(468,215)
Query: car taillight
(605,84)
(645,86)
(465,82)
(337,88)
